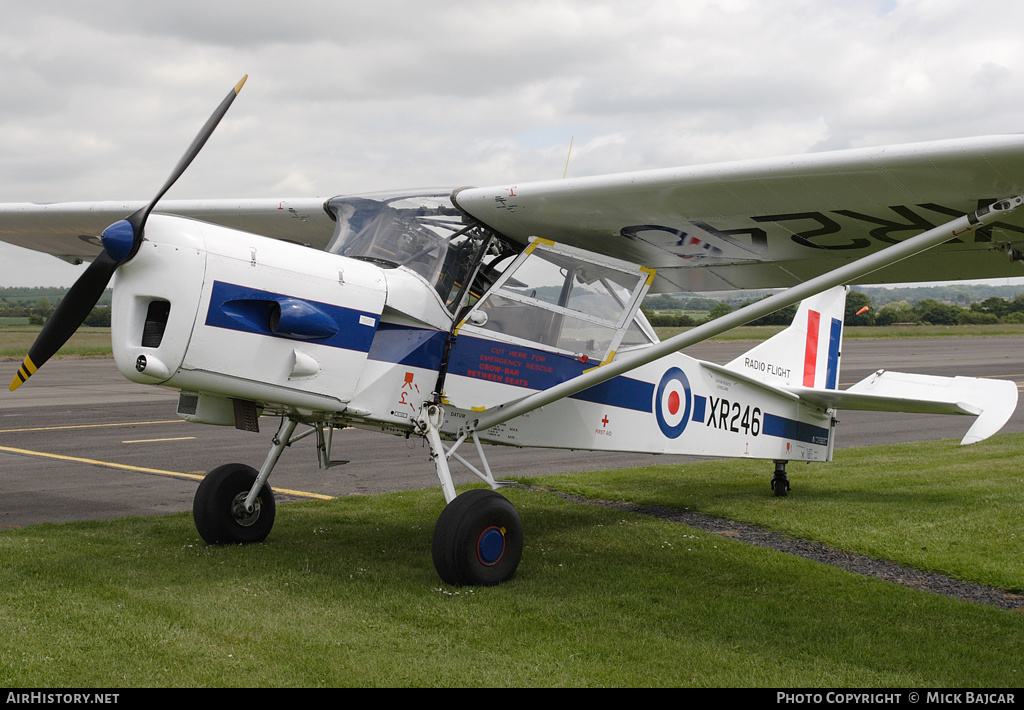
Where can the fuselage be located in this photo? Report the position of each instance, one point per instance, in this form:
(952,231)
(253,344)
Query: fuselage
(242,324)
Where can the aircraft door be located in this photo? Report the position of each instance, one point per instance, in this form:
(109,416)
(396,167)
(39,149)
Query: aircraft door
(554,312)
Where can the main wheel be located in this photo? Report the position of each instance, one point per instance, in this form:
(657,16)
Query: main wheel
(218,507)
(478,539)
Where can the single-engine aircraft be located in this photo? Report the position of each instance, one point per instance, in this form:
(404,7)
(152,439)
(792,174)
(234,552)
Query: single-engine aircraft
(511,314)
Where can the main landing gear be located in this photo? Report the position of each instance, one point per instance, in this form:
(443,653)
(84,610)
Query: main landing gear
(219,508)
(478,538)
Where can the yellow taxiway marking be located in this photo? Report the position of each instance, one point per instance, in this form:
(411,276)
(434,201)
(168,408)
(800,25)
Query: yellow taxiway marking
(150,441)
(88,426)
(140,469)
(94,462)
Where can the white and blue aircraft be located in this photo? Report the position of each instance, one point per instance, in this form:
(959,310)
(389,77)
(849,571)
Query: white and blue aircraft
(511,314)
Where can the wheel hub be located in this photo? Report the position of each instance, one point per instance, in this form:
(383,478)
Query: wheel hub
(242,516)
(491,546)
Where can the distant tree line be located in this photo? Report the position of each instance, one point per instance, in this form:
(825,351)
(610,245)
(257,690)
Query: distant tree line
(38,304)
(926,311)
(930,311)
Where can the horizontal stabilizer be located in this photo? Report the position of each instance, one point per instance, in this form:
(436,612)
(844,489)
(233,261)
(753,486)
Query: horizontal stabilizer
(992,401)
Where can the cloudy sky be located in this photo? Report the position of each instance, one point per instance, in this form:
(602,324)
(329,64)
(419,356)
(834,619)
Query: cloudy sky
(100,99)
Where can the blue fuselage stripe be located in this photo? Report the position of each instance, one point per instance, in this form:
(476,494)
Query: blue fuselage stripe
(539,370)
(412,347)
(493,361)
(247,309)
(520,366)
(784,428)
(479,358)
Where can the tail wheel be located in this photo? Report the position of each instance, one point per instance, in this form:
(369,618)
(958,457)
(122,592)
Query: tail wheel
(780,481)
(780,484)
(478,540)
(219,507)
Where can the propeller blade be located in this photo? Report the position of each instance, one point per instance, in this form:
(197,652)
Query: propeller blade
(138,219)
(120,242)
(70,313)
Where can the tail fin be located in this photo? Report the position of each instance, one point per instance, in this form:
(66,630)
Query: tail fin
(806,354)
(804,359)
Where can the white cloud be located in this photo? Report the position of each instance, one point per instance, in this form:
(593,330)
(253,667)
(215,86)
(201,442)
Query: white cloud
(99,100)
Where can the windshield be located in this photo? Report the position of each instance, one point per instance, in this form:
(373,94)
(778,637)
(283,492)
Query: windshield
(566,299)
(422,232)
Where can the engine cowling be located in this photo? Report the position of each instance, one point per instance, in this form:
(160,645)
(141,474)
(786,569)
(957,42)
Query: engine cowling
(207,309)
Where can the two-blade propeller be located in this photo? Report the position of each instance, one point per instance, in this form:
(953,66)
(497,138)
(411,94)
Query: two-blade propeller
(121,241)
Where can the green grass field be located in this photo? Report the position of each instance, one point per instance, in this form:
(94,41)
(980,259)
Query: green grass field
(343,592)
(15,341)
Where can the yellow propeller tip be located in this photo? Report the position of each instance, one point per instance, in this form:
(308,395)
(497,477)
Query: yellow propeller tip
(238,86)
(27,369)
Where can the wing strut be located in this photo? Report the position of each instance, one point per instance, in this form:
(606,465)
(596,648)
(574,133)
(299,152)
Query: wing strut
(837,277)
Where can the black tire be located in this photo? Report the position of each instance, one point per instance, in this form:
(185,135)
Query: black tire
(780,484)
(217,510)
(478,540)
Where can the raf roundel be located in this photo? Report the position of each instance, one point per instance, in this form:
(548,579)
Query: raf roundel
(672,402)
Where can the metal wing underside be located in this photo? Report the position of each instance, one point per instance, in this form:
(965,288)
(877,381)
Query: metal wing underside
(778,222)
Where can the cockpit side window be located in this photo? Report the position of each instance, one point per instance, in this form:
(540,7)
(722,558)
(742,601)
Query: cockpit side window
(423,233)
(565,299)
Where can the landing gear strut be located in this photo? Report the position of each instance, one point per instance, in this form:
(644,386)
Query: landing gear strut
(219,508)
(234,504)
(478,539)
(780,481)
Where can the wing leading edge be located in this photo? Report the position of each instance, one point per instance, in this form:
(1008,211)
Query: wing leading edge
(69,230)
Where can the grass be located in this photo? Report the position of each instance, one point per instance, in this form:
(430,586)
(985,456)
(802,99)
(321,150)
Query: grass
(343,592)
(15,341)
(934,506)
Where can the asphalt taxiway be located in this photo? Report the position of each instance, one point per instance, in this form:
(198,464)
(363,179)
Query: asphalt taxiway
(78,442)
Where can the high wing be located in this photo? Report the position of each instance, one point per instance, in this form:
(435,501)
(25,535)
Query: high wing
(765,223)
(70,230)
(780,221)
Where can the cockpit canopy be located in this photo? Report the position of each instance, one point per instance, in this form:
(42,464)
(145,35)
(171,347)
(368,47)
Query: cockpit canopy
(423,232)
(552,296)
